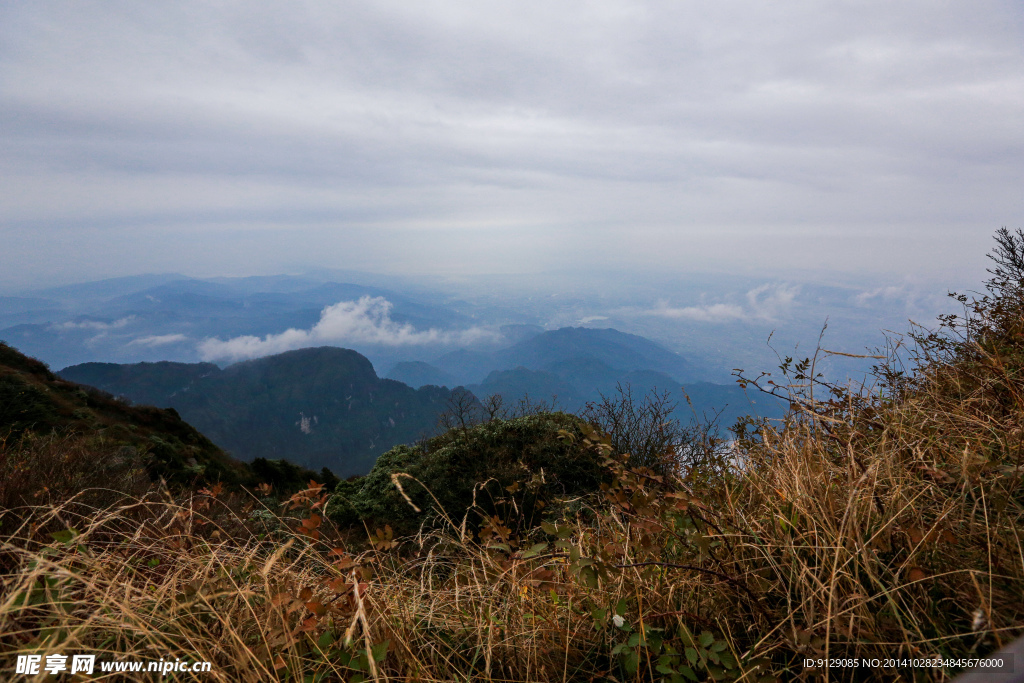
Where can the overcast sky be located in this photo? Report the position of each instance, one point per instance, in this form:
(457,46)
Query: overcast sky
(208,138)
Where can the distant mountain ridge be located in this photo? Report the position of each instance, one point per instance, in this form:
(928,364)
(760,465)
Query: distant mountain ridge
(316,407)
(418,374)
(549,349)
(573,366)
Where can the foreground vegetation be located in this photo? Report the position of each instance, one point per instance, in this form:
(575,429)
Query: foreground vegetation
(873,522)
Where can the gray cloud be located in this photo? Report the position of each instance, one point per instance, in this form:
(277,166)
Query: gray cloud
(876,136)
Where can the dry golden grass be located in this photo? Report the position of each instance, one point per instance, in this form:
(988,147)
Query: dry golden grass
(892,532)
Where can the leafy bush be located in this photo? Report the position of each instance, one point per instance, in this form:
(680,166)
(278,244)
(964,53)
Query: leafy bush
(519,463)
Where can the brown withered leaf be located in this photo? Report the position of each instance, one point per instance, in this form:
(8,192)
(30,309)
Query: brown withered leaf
(307,625)
(338,584)
(541,578)
(917,574)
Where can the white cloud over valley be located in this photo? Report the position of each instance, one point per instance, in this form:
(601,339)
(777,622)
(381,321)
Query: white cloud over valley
(158,340)
(363,322)
(767,303)
(93,324)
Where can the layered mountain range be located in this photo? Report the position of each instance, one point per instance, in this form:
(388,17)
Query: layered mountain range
(327,407)
(574,366)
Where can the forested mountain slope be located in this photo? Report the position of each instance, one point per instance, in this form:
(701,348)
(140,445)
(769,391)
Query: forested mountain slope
(317,407)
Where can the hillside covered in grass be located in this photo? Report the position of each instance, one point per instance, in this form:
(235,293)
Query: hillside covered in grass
(37,407)
(878,522)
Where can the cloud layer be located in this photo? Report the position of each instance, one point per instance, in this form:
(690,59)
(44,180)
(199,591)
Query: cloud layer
(481,137)
(764,303)
(363,322)
(93,324)
(158,340)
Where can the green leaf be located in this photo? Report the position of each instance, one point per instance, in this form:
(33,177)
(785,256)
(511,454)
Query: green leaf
(620,607)
(662,669)
(634,640)
(549,528)
(535,550)
(631,662)
(706,638)
(719,646)
(325,640)
(358,662)
(589,577)
(691,654)
(688,672)
(380,651)
(600,615)
(64,536)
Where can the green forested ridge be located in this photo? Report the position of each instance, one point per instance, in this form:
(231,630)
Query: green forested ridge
(318,407)
(56,430)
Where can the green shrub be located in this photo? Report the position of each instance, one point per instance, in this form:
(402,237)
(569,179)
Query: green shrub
(519,463)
